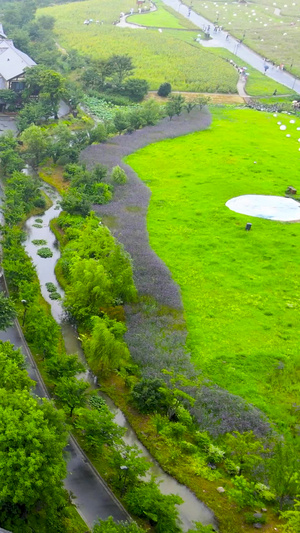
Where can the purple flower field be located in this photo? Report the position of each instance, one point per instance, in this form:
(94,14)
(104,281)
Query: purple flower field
(157,332)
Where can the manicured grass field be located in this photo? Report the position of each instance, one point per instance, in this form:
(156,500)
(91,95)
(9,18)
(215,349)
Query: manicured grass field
(161,18)
(273,36)
(240,290)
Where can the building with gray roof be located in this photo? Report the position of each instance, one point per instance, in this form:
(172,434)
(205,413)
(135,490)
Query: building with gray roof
(13,63)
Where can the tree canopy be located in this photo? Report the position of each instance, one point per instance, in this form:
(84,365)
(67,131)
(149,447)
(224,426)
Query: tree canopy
(7,312)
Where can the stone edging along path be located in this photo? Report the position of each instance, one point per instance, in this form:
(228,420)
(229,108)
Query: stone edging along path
(125,215)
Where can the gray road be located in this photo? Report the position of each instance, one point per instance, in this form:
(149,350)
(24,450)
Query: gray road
(234,46)
(92,497)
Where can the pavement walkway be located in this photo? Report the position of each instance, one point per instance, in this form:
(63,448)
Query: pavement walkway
(89,492)
(224,40)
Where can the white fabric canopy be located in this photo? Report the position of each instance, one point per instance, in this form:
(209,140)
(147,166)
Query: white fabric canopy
(271,207)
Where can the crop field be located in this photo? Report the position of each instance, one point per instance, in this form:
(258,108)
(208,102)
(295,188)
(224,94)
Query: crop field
(158,57)
(240,290)
(276,37)
(171,56)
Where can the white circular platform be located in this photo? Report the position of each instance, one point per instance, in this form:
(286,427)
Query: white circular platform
(270,207)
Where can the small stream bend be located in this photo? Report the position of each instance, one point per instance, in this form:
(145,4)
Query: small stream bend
(192,510)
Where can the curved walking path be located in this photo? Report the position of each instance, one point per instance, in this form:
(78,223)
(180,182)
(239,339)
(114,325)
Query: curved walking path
(219,39)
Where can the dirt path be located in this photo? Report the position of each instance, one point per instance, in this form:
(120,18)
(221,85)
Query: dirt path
(161,309)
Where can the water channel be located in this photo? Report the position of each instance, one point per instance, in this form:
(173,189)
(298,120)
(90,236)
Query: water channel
(192,509)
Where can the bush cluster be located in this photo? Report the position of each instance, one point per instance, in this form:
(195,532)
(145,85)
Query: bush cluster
(86,188)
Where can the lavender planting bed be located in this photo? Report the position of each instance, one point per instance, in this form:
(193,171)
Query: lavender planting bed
(156,332)
(156,328)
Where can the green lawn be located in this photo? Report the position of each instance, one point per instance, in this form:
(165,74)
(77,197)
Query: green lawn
(240,290)
(162,18)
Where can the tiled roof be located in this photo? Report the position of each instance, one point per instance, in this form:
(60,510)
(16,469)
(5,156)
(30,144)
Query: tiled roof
(13,62)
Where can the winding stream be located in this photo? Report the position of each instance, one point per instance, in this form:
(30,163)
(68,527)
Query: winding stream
(192,509)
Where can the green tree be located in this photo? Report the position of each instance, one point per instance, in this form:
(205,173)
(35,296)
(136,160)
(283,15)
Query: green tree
(164,89)
(13,375)
(60,142)
(174,396)
(98,134)
(33,113)
(17,265)
(136,119)
(7,312)
(105,349)
(292,518)
(149,395)
(64,366)
(283,469)
(189,106)
(175,105)
(46,21)
(89,289)
(72,392)
(47,84)
(202,101)
(32,441)
(9,157)
(76,203)
(118,175)
(136,89)
(245,449)
(121,121)
(120,66)
(109,526)
(151,112)
(35,145)
(146,499)
(129,466)
(42,331)
(98,428)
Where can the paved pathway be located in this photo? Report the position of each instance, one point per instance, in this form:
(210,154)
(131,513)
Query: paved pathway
(234,46)
(92,497)
(7,122)
(124,24)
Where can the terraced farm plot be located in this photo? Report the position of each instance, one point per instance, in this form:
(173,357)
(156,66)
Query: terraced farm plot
(240,290)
